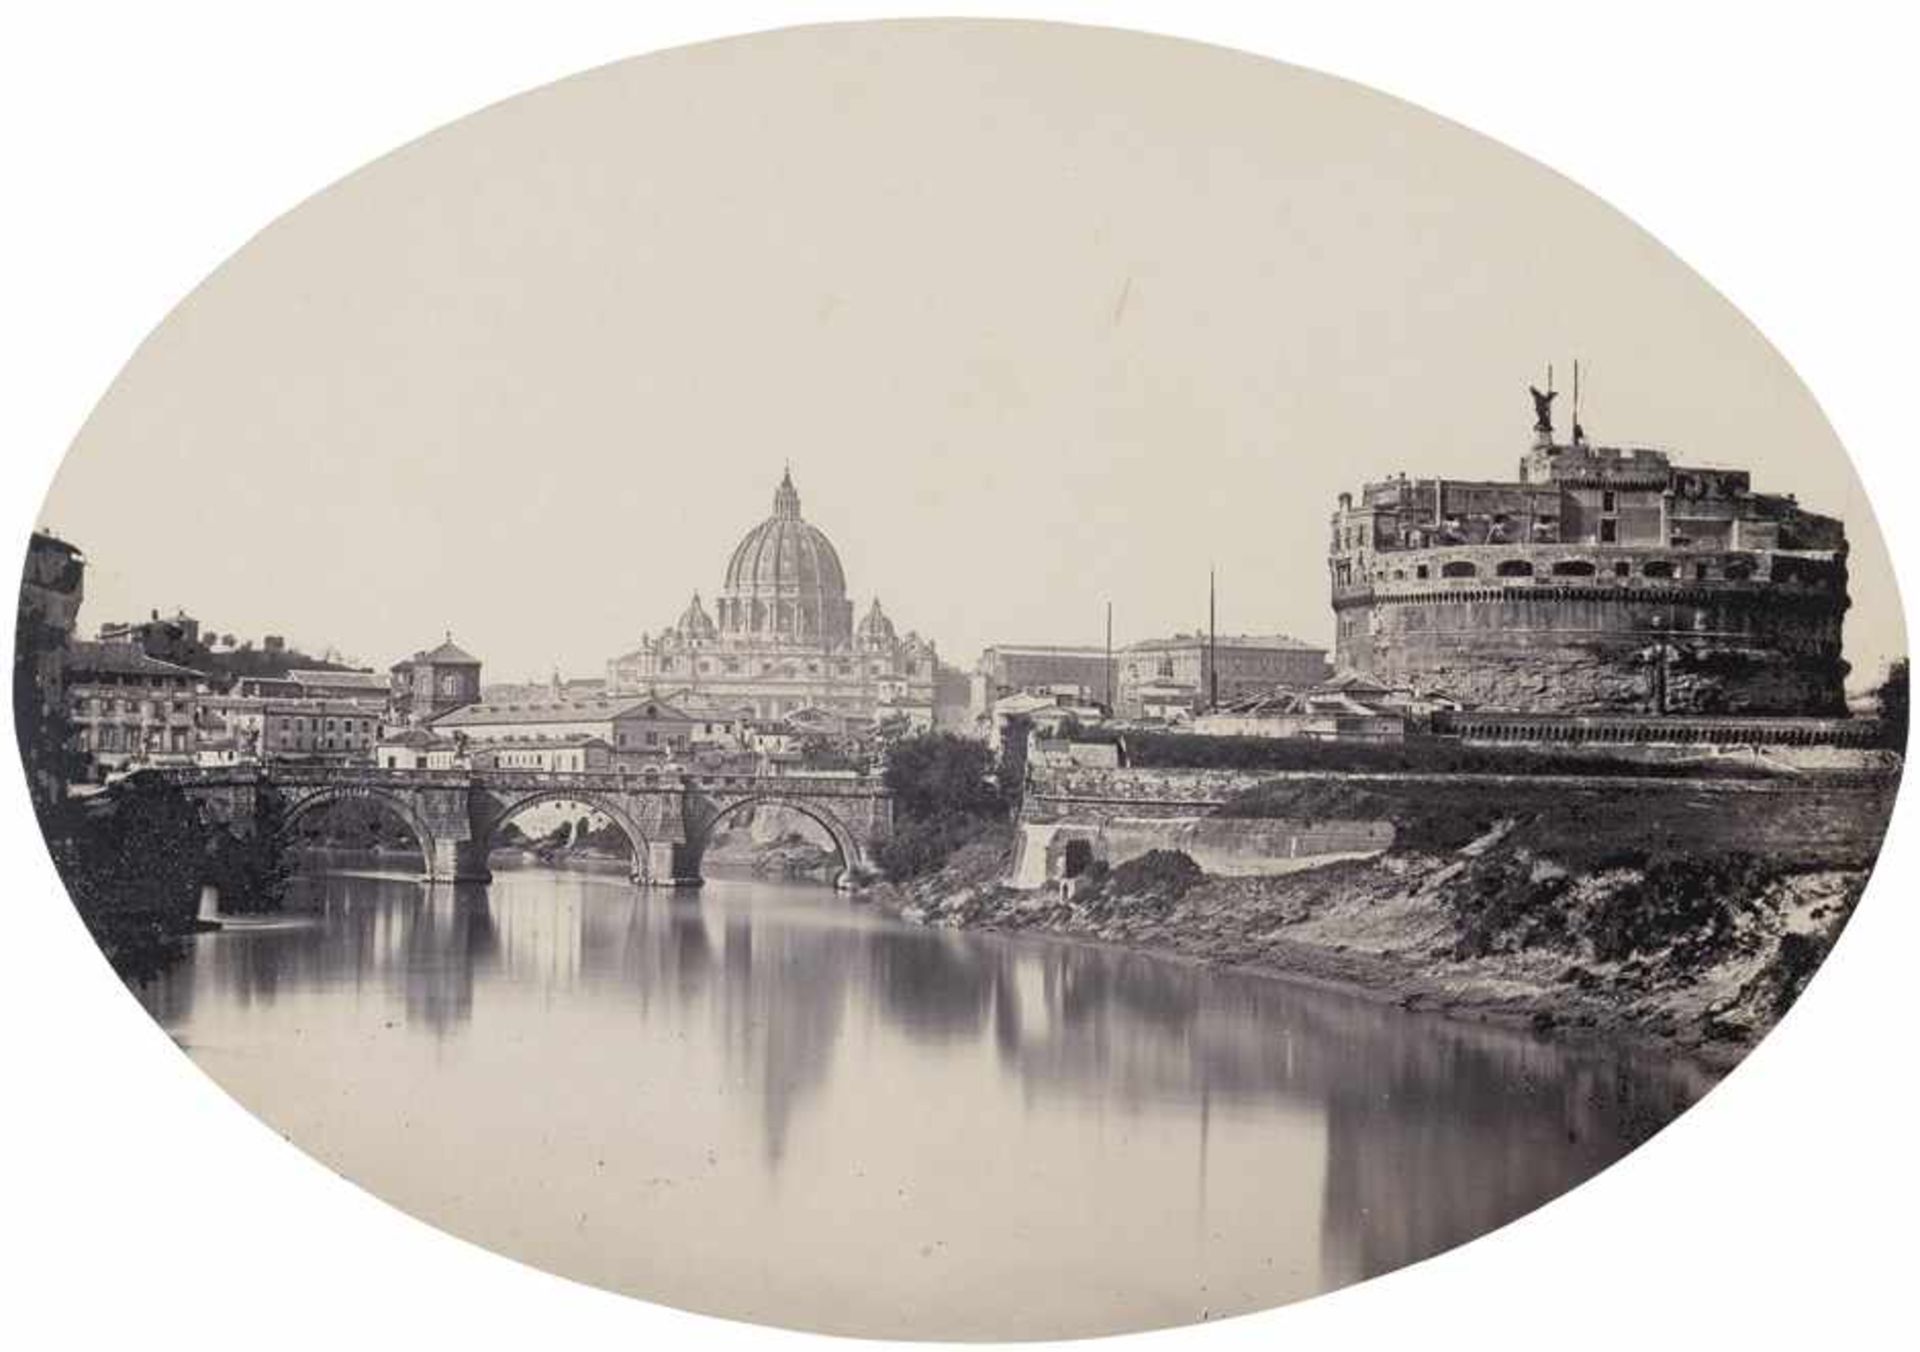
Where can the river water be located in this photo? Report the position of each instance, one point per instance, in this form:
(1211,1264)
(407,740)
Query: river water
(767,1102)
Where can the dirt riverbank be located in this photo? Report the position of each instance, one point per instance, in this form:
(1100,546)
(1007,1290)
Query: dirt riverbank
(1523,922)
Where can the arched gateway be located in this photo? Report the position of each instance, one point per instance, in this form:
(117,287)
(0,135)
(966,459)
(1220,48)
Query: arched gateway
(455,814)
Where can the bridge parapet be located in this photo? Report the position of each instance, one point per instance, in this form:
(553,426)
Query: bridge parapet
(666,815)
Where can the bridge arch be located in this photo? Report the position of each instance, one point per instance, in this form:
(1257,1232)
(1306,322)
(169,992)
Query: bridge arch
(512,805)
(853,855)
(301,802)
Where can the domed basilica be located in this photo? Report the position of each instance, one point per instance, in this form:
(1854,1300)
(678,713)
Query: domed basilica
(781,637)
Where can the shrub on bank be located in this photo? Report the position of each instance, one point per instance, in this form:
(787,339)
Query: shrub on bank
(1505,902)
(1691,900)
(134,872)
(1508,900)
(252,871)
(1151,884)
(917,848)
(944,797)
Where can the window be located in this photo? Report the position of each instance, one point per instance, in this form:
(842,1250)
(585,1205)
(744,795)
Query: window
(1622,568)
(1609,531)
(1607,501)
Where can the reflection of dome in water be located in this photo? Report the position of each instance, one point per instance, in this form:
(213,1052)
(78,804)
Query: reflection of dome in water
(785,579)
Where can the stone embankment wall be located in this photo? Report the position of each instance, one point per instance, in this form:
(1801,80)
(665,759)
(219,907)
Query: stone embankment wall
(1222,846)
(1123,814)
(1095,794)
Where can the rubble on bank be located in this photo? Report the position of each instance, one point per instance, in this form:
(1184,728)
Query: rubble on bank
(1701,949)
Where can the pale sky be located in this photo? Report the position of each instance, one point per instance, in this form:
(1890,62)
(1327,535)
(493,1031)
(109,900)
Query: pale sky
(1041,317)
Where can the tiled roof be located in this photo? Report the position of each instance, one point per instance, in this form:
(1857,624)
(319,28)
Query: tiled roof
(416,737)
(540,743)
(1275,642)
(448,653)
(699,704)
(1043,650)
(555,711)
(124,659)
(365,680)
(1349,682)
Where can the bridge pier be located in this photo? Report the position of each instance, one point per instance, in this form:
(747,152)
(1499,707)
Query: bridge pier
(671,864)
(458,861)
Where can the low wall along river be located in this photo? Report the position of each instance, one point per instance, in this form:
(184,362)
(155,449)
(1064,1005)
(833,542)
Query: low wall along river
(1222,846)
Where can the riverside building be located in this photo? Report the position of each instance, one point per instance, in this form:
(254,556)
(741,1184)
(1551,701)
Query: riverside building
(1601,579)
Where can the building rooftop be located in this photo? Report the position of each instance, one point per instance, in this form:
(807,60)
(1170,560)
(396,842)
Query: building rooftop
(123,659)
(448,654)
(372,682)
(1044,650)
(544,743)
(416,737)
(1269,642)
(557,711)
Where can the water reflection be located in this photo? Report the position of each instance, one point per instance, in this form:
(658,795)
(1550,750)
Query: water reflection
(1103,1140)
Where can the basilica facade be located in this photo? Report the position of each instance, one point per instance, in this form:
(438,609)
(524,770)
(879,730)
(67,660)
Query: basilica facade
(781,637)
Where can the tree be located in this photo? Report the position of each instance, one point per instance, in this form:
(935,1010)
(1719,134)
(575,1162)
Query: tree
(134,871)
(943,799)
(39,722)
(1892,699)
(939,774)
(252,871)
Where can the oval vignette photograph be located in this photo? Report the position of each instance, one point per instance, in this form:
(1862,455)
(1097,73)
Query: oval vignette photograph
(960,680)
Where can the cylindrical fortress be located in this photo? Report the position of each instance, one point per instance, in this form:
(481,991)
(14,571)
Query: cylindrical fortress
(1602,581)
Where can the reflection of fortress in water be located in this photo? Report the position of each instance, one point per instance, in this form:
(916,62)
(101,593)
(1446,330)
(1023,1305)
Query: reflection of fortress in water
(1430,1137)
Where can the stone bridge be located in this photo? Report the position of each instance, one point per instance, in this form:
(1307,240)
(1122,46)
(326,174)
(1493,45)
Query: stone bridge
(456,815)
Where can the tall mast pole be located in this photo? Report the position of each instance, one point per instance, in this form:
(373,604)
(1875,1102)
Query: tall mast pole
(1213,646)
(1112,712)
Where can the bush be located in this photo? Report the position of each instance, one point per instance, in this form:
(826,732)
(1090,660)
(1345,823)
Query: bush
(1502,903)
(134,872)
(1690,900)
(1793,965)
(943,798)
(1892,698)
(252,871)
(939,774)
(917,848)
(1149,884)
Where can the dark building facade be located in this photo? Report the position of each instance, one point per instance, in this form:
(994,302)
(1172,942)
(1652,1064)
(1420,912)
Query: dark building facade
(429,684)
(52,585)
(1602,579)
